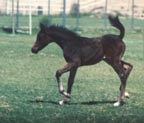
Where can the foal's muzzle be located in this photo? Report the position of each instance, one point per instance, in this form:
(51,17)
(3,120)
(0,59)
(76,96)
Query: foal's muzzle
(33,50)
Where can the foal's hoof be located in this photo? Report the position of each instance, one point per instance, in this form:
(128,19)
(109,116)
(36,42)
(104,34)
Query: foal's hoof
(65,94)
(127,95)
(118,103)
(64,101)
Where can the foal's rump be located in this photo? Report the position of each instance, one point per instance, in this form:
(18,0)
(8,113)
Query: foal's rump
(113,46)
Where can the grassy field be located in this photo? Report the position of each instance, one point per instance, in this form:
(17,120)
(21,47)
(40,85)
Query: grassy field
(26,78)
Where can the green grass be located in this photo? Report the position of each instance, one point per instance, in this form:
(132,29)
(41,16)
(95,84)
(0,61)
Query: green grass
(25,78)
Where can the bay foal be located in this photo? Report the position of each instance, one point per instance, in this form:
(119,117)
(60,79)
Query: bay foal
(80,51)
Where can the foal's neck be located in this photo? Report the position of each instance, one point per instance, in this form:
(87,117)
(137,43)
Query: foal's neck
(60,43)
(60,38)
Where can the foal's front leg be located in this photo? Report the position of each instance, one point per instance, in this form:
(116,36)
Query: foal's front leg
(68,67)
(70,83)
(58,75)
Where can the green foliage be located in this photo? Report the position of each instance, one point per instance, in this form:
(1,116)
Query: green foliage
(40,10)
(74,9)
(45,20)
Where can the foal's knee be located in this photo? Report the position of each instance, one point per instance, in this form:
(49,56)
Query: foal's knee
(58,74)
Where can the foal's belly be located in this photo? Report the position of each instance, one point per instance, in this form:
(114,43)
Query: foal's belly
(92,56)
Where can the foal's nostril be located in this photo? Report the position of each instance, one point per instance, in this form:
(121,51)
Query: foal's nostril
(34,50)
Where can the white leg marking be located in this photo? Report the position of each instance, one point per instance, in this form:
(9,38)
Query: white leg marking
(117,104)
(64,101)
(60,86)
(66,94)
(127,95)
(61,102)
(61,90)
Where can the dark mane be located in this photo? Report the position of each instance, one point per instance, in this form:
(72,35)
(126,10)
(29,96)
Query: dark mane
(57,28)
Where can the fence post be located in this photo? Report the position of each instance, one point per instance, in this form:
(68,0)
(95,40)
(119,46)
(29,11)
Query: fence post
(143,41)
(13,19)
(30,18)
(105,16)
(49,13)
(78,12)
(64,13)
(132,15)
(17,16)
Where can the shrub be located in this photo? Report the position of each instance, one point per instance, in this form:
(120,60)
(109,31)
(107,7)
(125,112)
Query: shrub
(74,9)
(46,21)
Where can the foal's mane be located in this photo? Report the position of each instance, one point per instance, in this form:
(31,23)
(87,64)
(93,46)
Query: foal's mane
(63,30)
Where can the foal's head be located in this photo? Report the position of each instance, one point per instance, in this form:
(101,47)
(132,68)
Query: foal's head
(42,39)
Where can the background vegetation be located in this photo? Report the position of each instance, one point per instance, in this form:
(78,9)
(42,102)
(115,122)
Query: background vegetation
(28,88)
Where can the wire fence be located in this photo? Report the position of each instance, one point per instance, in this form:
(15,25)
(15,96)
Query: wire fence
(22,12)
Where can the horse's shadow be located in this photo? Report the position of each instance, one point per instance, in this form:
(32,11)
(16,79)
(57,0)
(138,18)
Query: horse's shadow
(97,102)
(73,103)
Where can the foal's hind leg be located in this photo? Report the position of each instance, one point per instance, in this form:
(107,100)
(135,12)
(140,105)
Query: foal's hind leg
(123,69)
(127,69)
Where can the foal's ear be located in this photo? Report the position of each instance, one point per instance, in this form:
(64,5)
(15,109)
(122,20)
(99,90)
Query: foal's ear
(42,27)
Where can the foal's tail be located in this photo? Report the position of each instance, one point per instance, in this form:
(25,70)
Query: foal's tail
(116,23)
